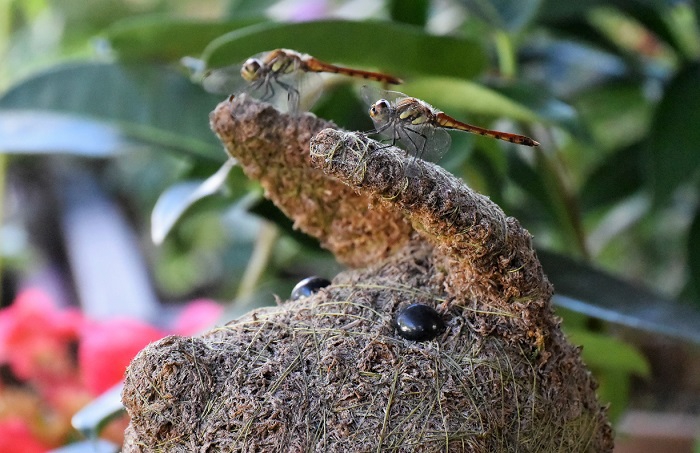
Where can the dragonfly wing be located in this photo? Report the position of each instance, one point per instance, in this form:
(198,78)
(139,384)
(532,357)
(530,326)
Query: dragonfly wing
(225,80)
(302,90)
(437,143)
(371,94)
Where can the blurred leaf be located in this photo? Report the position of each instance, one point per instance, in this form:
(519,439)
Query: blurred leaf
(674,138)
(396,48)
(618,176)
(540,100)
(510,15)
(414,12)
(566,67)
(523,174)
(694,253)
(613,362)
(88,446)
(151,103)
(173,203)
(163,38)
(614,388)
(606,352)
(249,8)
(463,95)
(541,182)
(584,289)
(574,19)
(267,210)
(91,419)
(341,105)
(652,15)
(617,113)
(66,134)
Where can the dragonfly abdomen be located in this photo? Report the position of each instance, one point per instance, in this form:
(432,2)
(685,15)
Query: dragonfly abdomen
(448,122)
(314,65)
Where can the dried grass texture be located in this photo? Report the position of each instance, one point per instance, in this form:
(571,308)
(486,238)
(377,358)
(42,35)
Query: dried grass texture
(328,372)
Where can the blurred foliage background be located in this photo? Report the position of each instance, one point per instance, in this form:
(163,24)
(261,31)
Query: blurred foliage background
(97,111)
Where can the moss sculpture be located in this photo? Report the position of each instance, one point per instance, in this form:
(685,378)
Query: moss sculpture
(328,372)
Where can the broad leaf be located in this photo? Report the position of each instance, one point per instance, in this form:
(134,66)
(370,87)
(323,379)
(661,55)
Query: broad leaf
(151,103)
(618,176)
(463,95)
(395,48)
(163,38)
(674,139)
(173,203)
(60,133)
(581,288)
(694,252)
(604,351)
(509,15)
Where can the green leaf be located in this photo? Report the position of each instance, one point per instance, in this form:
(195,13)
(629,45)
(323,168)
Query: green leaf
(68,134)
(510,15)
(150,103)
(163,38)
(606,352)
(674,138)
(395,48)
(540,100)
(465,96)
(617,113)
(267,210)
(694,253)
(414,12)
(177,199)
(618,176)
(583,289)
(249,8)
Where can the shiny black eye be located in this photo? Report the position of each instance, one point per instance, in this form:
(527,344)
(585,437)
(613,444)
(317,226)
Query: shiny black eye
(419,322)
(308,286)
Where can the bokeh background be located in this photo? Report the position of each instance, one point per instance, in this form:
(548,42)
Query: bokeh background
(108,240)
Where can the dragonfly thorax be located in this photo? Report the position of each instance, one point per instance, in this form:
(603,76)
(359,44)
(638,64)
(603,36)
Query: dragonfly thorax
(412,111)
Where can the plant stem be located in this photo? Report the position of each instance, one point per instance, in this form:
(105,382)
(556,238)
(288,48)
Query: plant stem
(566,203)
(506,54)
(3,180)
(264,245)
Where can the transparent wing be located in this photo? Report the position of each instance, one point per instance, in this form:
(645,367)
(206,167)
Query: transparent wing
(423,141)
(298,91)
(371,94)
(437,143)
(226,80)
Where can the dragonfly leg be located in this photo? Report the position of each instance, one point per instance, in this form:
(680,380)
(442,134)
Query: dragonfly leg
(293,95)
(416,141)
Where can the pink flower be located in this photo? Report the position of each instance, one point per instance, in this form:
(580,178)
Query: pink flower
(107,347)
(197,316)
(35,336)
(15,436)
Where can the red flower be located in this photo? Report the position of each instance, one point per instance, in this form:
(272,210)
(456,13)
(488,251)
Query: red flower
(107,347)
(15,436)
(198,315)
(35,337)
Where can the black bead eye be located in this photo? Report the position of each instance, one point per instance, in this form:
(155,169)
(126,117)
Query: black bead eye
(308,286)
(419,322)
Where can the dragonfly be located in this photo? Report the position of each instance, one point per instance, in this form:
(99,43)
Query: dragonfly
(420,127)
(276,74)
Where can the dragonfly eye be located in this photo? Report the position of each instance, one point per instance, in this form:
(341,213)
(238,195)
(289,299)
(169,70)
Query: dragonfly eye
(250,69)
(380,110)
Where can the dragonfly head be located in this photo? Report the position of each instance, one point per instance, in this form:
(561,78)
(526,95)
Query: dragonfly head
(380,112)
(250,71)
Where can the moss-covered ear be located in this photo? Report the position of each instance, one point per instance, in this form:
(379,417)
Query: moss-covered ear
(332,372)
